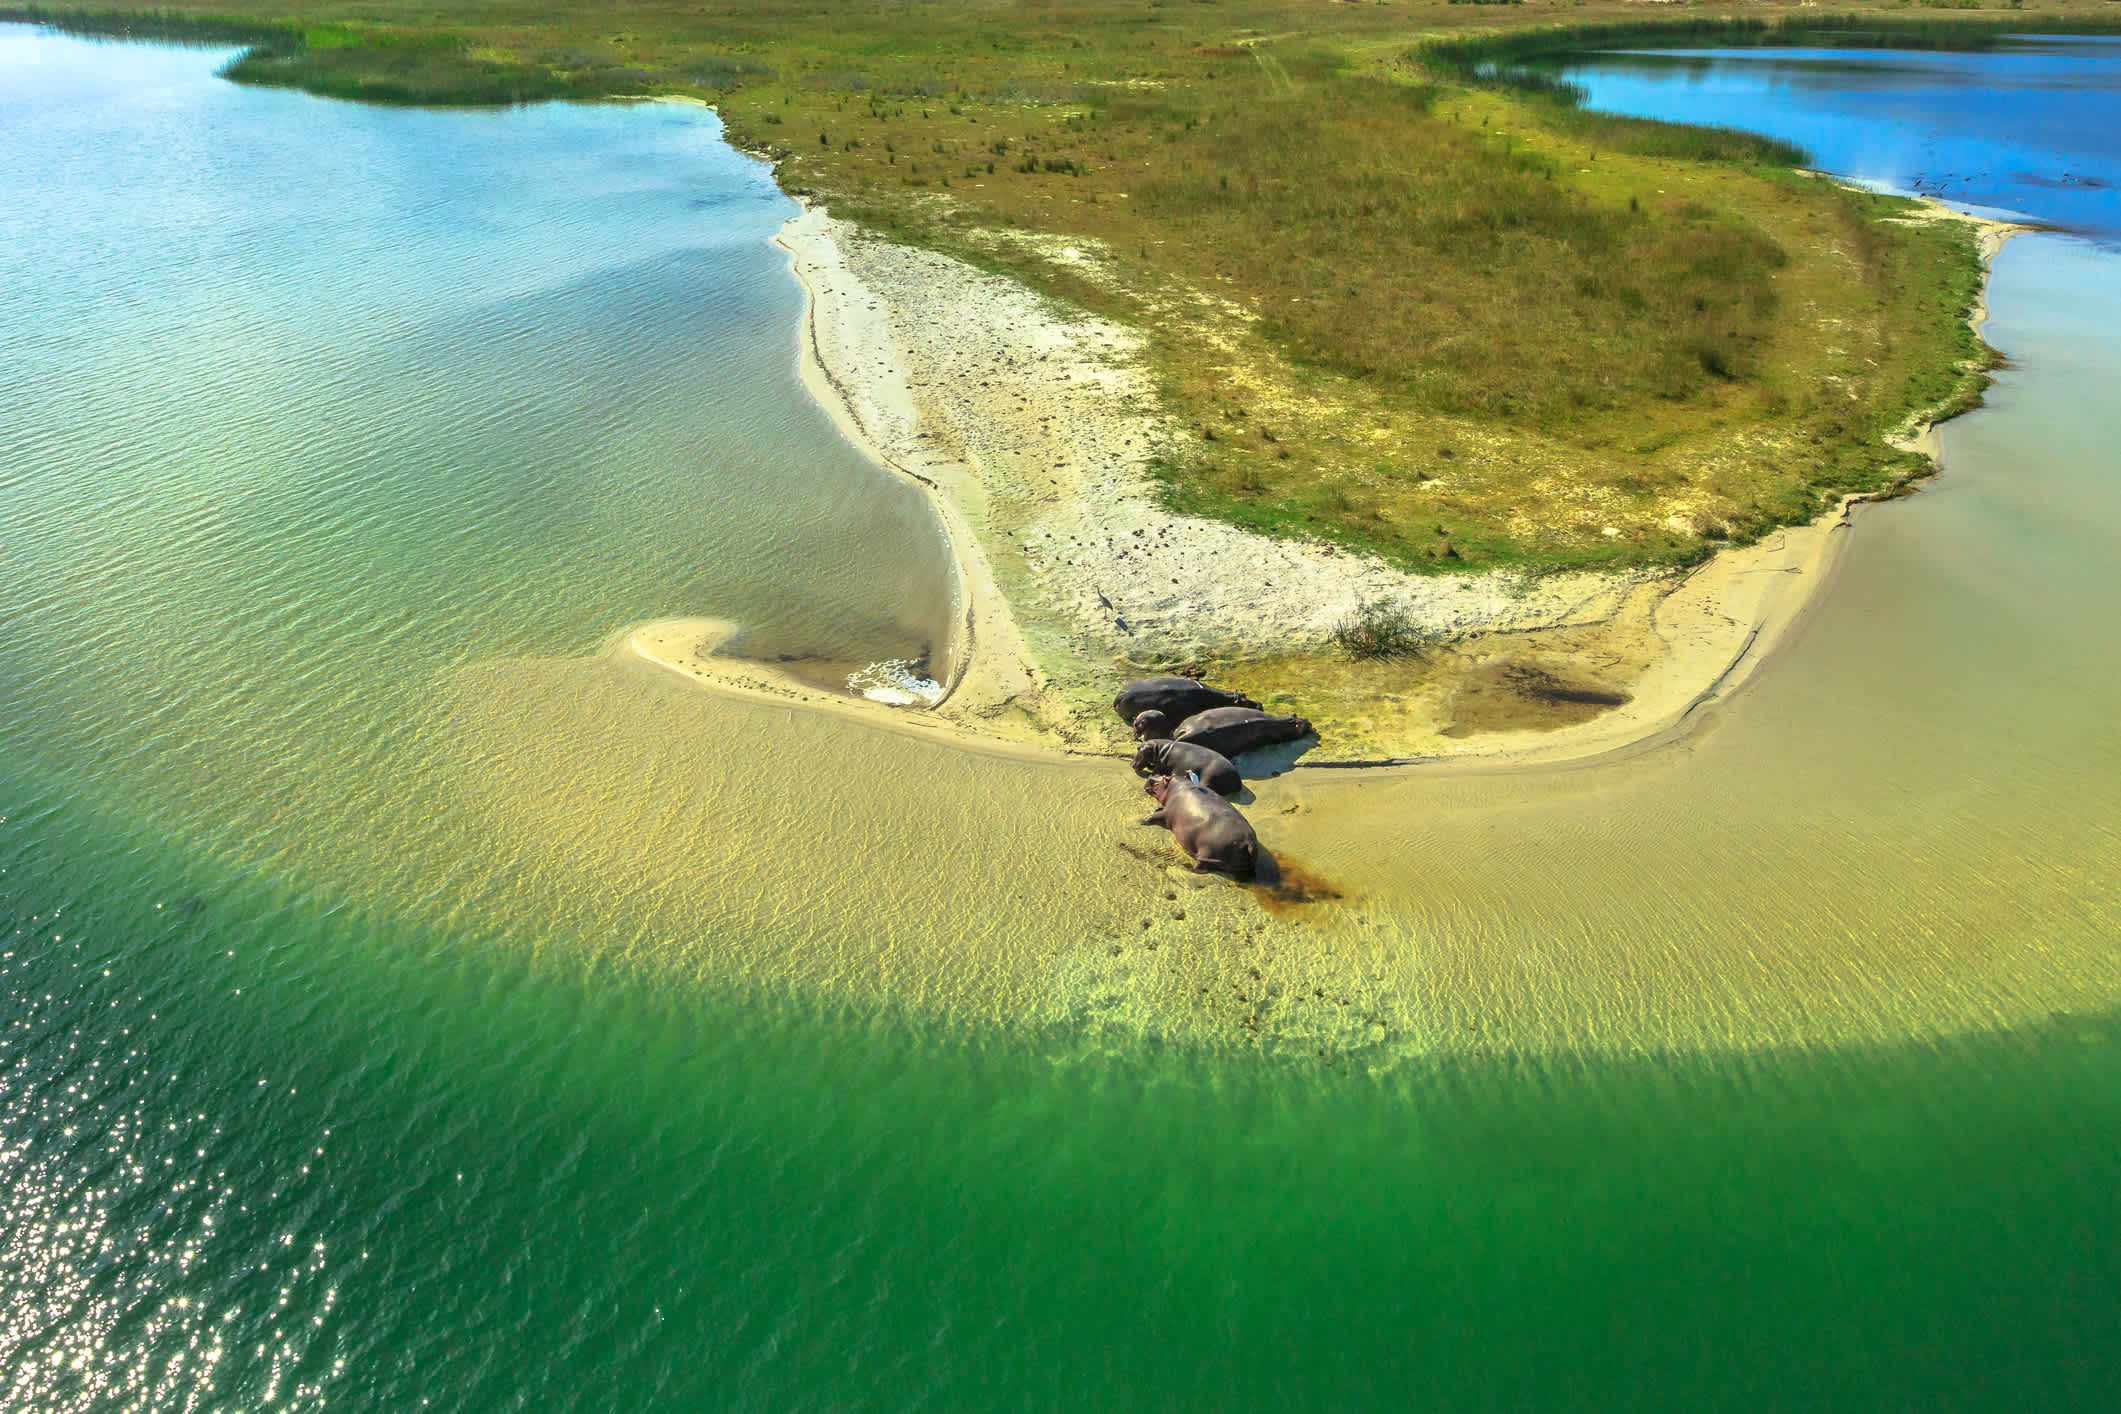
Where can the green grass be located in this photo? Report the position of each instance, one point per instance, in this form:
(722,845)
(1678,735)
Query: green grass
(1607,306)
(1398,289)
(168,27)
(424,69)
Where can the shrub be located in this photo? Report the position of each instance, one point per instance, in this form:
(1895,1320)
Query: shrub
(1382,629)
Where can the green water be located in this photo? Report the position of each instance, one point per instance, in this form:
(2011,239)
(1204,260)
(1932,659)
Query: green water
(403,1007)
(277,1152)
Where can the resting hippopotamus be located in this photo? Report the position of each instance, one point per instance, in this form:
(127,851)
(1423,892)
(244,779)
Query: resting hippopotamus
(1152,726)
(1207,827)
(1233,730)
(1176,698)
(1180,758)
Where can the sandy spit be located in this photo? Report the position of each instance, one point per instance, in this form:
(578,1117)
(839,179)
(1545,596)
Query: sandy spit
(1033,429)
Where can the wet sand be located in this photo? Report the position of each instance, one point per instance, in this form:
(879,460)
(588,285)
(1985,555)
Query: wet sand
(1032,429)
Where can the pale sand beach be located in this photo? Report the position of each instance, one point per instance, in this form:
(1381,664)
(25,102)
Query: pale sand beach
(1033,428)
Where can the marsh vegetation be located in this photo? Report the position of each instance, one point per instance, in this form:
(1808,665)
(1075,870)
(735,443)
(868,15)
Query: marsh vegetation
(1381,629)
(1399,291)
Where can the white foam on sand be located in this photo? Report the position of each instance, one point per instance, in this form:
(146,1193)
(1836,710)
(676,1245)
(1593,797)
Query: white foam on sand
(897,682)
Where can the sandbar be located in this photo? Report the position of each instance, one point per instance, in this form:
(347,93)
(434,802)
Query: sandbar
(1032,428)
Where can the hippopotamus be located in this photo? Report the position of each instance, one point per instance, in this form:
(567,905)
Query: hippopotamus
(1179,758)
(1176,698)
(1207,827)
(1152,726)
(1234,730)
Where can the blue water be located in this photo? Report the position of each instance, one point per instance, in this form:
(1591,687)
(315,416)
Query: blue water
(2031,130)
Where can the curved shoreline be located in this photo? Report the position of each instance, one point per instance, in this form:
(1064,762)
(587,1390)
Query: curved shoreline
(1706,634)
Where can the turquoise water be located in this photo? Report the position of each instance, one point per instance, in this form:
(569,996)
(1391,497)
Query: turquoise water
(546,348)
(323,1083)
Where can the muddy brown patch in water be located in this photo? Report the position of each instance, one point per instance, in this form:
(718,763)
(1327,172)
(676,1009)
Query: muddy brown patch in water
(1518,694)
(1284,886)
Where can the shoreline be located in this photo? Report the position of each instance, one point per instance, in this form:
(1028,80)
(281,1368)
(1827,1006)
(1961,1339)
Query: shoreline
(1043,636)
(988,664)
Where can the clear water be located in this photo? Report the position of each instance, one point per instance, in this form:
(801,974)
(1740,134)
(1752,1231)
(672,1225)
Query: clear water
(2039,138)
(403,1005)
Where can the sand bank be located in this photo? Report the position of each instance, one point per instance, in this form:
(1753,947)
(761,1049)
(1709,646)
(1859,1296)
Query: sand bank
(692,648)
(1034,428)
(1750,888)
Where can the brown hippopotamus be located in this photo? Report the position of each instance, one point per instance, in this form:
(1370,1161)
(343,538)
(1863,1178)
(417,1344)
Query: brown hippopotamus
(1207,827)
(1234,730)
(1183,758)
(1176,698)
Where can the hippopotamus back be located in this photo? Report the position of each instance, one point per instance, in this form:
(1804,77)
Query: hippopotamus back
(1183,758)
(1233,730)
(1176,698)
(1207,827)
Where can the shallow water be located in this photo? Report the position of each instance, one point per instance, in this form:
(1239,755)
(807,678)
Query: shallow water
(405,1004)
(1910,820)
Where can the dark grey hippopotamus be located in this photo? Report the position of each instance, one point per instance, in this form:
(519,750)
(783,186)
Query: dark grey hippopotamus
(1152,726)
(1234,730)
(1207,827)
(1181,758)
(1176,698)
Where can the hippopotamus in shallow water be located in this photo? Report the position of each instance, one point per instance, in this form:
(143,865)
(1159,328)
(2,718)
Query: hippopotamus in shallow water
(1176,698)
(1178,758)
(1207,827)
(1232,730)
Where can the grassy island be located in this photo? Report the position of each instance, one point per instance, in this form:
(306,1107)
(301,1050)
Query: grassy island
(1392,294)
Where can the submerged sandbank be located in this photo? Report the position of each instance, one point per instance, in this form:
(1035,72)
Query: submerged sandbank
(1032,429)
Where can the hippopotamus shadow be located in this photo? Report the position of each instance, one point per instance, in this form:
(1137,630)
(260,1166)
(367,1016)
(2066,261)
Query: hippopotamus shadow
(1270,761)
